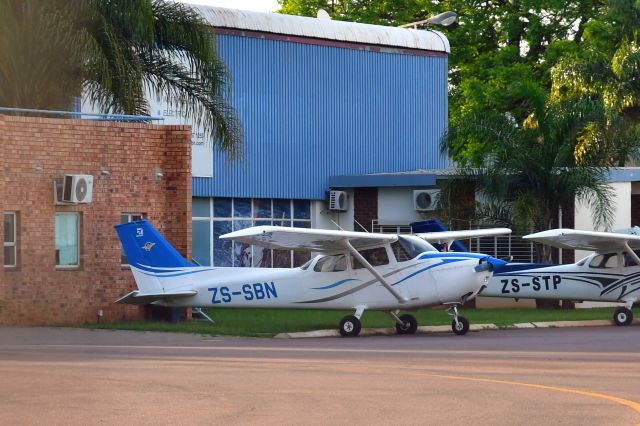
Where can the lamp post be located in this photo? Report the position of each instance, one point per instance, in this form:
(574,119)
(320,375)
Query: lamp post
(444,19)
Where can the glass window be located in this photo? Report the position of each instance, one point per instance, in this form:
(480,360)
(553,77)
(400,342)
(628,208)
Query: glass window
(222,249)
(335,263)
(201,242)
(222,207)
(281,211)
(67,235)
(241,207)
(410,246)
(200,207)
(376,257)
(9,254)
(262,208)
(126,218)
(240,213)
(302,209)
(609,260)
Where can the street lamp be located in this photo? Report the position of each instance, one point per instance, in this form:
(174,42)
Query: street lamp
(444,19)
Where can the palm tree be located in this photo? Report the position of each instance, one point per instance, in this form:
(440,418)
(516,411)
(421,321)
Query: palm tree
(114,51)
(531,170)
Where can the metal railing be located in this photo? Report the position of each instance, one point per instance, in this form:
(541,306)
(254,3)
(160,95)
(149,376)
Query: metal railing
(80,115)
(502,246)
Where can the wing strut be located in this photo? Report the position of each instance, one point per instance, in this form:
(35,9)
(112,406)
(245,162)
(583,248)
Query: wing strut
(631,253)
(375,273)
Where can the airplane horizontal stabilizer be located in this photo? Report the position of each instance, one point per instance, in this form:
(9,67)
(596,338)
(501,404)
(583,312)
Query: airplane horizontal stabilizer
(137,298)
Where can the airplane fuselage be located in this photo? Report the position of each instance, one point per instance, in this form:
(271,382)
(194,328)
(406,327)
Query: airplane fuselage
(581,281)
(430,279)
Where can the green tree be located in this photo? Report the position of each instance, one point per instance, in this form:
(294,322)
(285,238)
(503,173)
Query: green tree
(113,51)
(606,67)
(501,51)
(531,171)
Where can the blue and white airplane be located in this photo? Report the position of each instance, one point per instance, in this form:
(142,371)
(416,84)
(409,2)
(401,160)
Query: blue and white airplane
(610,274)
(355,270)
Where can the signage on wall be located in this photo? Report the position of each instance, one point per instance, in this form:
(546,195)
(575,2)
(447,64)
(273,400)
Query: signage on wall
(201,148)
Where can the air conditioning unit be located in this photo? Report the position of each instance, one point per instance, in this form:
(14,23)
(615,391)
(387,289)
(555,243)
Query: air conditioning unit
(77,189)
(424,200)
(338,201)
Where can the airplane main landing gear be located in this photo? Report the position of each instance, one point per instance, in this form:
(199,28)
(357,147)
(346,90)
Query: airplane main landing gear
(350,326)
(459,325)
(623,316)
(405,324)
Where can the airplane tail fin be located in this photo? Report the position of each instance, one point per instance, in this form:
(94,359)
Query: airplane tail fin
(146,248)
(151,258)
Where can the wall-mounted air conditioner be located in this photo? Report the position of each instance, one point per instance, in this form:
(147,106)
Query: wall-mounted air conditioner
(338,201)
(77,189)
(425,200)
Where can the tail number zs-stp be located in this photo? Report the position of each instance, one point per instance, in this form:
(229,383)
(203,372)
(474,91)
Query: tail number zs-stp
(543,282)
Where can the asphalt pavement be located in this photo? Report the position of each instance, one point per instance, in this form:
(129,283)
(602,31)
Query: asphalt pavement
(586,375)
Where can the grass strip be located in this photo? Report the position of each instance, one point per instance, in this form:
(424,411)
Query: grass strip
(269,322)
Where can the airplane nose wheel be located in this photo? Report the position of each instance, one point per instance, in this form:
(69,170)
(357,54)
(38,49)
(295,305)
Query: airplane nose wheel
(350,326)
(623,316)
(459,325)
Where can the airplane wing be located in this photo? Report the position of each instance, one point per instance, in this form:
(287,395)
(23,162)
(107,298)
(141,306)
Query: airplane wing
(448,236)
(320,240)
(586,240)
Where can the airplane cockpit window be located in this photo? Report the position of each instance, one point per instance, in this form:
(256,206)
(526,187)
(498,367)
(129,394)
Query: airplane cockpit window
(376,257)
(630,261)
(306,264)
(409,246)
(334,263)
(608,260)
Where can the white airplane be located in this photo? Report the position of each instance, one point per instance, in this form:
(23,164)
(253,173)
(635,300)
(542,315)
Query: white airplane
(610,274)
(356,270)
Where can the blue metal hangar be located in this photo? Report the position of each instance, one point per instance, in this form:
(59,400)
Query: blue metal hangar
(341,121)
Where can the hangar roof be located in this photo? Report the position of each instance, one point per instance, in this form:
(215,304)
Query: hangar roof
(303,26)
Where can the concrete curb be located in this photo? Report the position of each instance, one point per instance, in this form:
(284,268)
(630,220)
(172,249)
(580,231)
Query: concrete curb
(447,329)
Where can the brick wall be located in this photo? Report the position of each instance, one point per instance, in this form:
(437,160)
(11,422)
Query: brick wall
(123,159)
(365,202)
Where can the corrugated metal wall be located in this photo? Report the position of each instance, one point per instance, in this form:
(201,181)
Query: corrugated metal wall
(310,112)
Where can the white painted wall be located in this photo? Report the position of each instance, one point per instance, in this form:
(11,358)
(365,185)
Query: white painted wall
(395,207)
(322,218)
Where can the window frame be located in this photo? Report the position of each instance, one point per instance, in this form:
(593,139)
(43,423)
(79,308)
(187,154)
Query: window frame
(252,216)
(129,216)
(13,243)
(78,241)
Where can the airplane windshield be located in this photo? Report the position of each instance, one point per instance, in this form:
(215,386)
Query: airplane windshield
(409,246)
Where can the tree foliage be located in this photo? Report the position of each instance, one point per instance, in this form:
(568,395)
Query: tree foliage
(531,171)
(114,51)
(501,51)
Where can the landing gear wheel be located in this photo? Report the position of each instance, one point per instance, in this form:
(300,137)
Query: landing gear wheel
(461,326)
(623,316)
(350,326)
(409,325)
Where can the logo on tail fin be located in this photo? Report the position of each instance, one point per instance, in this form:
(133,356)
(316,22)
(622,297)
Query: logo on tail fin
(148,246)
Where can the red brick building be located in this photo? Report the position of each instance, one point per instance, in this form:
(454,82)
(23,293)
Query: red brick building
(62,262)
